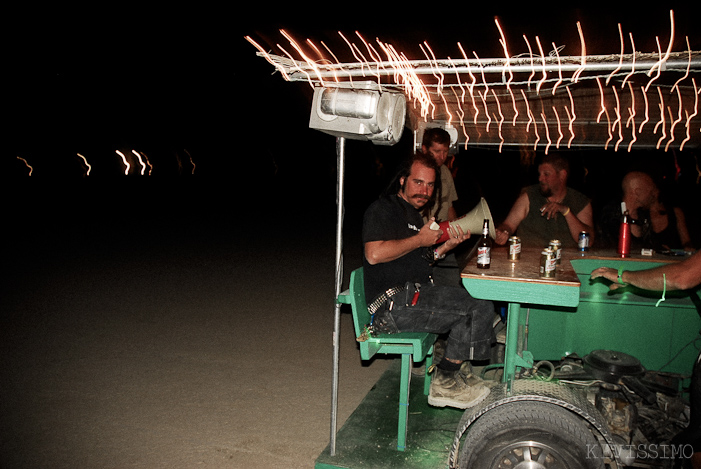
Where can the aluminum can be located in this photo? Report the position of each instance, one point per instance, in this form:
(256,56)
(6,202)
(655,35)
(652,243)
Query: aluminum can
(583,241)
(514,248)
(548,263)
(556,246)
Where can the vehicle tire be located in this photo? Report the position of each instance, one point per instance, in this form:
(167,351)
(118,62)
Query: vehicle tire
(533,435)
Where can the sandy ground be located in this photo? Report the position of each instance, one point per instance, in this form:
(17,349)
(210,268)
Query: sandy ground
(177,340)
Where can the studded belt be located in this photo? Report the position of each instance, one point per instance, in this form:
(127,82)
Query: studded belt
(380,300)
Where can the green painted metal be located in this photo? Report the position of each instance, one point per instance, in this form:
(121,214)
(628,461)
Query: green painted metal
(409,345)
(368,437)
(662,336)
(548,322)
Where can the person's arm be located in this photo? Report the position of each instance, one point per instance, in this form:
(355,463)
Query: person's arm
(516,215)
(378,252)
(677,276)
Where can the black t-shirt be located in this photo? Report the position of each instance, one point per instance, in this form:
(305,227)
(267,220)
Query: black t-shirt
(390,218)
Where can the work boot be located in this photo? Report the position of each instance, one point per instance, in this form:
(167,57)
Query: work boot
(438,354)
(449,389)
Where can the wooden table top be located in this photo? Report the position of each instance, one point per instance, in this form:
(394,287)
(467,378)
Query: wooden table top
(527,269)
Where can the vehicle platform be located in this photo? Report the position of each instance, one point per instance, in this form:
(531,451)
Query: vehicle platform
(368,438)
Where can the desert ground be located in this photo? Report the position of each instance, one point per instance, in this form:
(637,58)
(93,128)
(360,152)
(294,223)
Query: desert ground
(161,329)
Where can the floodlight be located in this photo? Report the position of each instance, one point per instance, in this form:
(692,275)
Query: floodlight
(360,113)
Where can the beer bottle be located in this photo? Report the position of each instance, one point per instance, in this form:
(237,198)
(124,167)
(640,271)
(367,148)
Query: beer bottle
(484,248)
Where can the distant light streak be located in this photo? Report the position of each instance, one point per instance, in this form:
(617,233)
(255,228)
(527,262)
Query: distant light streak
(620,61)
(678,120)
(322,58)
(632,71)
(31,170)
(608,126)
(575,76)
(461,114)
(618,120)
(535,128)
(688,66)
(691,116)
(647,111)
(559,128)
(192,162)
(569,142)
(530,53)
(141,162)
(528,110)
(507,57)
(664,59)
(501,120)
(352,51)
(661,106)
(350,77)
(309,62)
(547,132)
(559,68)
(471,86)
(126,163)
(150,166)
(542,55)
(603,103)
(662,120)
(86,164)
(631,110)
(573,117)
(486,110)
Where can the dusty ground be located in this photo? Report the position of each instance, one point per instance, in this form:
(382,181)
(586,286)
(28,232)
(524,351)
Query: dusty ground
(168,339)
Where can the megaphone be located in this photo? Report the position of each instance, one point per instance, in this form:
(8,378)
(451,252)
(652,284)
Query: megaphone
(472,221)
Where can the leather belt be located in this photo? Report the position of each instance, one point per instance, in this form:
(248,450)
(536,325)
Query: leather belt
(380,300)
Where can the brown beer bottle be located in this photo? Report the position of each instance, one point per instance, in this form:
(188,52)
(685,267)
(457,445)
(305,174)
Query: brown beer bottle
(484,248)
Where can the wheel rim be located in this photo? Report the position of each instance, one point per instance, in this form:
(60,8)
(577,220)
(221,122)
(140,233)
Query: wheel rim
(529,455)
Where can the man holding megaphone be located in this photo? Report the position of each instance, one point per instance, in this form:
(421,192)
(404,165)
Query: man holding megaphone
(399,253)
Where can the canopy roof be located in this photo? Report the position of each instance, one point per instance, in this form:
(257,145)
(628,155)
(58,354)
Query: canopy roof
(622,101)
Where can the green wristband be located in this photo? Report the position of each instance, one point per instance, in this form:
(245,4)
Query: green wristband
(620,275)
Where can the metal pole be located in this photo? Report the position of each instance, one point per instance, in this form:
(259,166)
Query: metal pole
(341,156)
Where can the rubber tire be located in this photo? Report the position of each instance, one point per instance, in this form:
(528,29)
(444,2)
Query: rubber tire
(545,428)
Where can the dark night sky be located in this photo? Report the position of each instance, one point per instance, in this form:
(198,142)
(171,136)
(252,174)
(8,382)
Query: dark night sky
(116,76)
(182,82)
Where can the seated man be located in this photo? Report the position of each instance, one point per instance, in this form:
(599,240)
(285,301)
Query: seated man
(549,210)
(399,255)
(654,226)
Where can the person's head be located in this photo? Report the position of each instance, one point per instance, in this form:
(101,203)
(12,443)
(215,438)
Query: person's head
(418,180)
(436,142)
(640,189)
(553,171)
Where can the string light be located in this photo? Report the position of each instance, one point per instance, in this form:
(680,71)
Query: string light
(426,82)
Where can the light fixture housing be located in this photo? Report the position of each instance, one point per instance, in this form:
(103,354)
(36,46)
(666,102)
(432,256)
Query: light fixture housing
(363,112)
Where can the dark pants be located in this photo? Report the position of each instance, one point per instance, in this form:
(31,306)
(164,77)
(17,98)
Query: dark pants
(452,310)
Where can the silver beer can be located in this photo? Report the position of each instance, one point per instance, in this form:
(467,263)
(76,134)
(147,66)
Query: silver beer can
(556,246)
(514,248)
(583,241)
(548,263)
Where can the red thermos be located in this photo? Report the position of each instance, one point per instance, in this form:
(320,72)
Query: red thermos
(624,236)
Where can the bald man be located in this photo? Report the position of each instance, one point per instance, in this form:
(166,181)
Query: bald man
(654,225)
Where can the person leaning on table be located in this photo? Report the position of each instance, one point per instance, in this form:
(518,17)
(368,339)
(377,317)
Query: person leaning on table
(682,275)
(677,276)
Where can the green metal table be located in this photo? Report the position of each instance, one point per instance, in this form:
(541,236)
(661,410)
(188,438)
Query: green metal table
(519,283)
(552,318)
